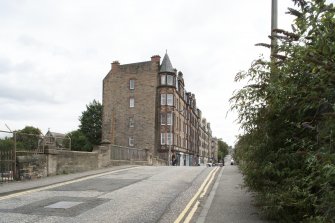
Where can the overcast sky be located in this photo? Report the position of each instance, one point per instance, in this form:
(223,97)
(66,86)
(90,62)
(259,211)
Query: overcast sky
(54,54)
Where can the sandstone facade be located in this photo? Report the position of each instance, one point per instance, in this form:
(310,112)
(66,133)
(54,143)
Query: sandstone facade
(146,106)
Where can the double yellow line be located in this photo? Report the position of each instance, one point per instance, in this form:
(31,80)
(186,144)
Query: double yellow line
(200,193)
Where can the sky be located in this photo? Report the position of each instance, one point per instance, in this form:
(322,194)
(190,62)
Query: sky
(54,54)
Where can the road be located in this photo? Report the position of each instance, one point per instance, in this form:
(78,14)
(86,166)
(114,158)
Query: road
(135,194)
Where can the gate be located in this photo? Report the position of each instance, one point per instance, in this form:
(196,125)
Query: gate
(13,144)
(7,156)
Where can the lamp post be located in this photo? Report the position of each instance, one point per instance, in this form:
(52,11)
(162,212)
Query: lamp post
(170,123)
(170,142)
(171,135)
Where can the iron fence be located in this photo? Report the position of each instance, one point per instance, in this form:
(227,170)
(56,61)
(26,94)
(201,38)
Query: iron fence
(16,143)
(7,156)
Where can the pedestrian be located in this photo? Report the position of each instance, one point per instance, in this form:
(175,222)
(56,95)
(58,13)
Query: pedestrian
(174,160)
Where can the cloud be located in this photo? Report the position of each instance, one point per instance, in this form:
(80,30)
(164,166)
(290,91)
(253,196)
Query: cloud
(21,94)
(5,65)
(56,53)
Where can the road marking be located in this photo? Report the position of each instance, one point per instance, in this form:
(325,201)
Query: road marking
(188,206)
(209,183)
(209,200)
(61,184)
(189,217)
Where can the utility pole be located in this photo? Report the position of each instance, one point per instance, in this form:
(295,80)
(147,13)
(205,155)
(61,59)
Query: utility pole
(274,25)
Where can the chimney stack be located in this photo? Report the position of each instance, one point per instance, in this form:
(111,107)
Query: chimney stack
(115,65)
(155,58)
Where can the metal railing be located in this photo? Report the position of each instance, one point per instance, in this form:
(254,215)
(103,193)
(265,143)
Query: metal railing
(16,143)
(127,153)
(7,156)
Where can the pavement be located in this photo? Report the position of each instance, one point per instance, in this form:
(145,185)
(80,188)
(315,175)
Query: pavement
(228,201)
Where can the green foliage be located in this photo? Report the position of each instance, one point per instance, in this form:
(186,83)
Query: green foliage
(91,122)
(28,138)
(223,149)
(287,113)
(6,144)
(79,142)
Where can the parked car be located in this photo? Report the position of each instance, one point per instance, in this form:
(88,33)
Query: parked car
(209,164)
(232,162)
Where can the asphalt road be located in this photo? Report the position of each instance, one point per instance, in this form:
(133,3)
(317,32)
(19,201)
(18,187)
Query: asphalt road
(132,194)
(140,194)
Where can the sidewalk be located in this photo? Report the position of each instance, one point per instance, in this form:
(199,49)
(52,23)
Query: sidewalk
(228,201)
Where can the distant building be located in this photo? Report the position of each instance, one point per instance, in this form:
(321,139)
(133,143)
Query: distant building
(146,105)
(214,149)
(57,140)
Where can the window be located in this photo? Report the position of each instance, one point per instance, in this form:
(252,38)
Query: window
(163,139)
(169,118)
(169,139)
(131,141)
(163,99)
(163,79)
(169,99)
(163,119)
(169,79)
(131,102)
(131,84)
(131,122)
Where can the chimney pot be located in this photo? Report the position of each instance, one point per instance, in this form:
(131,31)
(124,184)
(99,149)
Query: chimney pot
(115,64)
(155,58)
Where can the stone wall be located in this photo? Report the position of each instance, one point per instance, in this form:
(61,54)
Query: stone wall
(55,162)
(74,161)
(32,166)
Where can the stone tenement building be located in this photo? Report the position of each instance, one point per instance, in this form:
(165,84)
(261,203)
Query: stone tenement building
(145,105)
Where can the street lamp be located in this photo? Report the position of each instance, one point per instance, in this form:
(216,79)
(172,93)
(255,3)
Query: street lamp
(170,142)
(171,135)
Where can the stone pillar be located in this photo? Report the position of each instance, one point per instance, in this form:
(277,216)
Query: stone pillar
(52,162)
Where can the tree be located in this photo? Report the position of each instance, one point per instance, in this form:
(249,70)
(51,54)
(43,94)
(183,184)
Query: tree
(91,122)
(288,115)
(223,149)
(6,143)
(79,142)
(28,138)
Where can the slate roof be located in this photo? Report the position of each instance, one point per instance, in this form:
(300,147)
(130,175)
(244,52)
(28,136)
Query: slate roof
(166,65)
